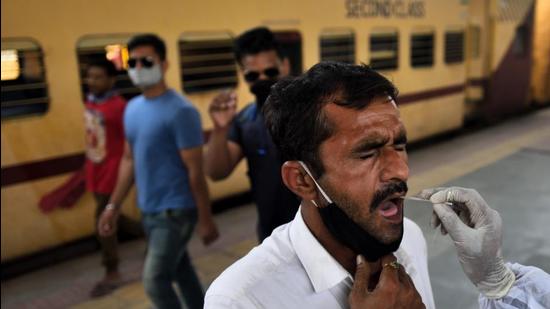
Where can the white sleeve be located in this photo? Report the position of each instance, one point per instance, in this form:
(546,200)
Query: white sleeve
(222,302)
(531,290)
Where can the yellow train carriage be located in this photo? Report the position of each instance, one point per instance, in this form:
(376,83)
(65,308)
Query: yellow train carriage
(439,53)
(540,78)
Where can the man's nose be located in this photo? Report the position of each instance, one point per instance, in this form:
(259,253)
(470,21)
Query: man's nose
(396,166)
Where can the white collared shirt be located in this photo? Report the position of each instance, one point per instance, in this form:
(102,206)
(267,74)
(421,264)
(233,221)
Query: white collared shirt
(291,269)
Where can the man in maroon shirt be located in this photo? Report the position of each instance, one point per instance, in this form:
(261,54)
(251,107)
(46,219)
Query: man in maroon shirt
(104,148)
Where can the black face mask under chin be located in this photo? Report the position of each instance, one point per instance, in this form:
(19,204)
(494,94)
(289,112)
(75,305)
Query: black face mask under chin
(261,90)
(351,234)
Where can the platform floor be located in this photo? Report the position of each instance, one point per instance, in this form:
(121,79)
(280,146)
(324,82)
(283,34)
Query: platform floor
(509,164)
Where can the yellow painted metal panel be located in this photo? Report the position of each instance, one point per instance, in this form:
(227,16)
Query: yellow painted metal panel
(26,229)
(433,116)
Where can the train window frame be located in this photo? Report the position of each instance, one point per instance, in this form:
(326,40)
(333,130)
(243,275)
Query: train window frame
(419,33)
(35,99)
(89,43)
(222,61)
(379,51)
(454,44)
(334,43)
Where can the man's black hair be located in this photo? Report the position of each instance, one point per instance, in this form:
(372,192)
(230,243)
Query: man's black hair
(106,65)
(254,41)
(149,39)
(294,110)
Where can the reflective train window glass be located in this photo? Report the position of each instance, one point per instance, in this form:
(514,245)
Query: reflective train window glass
(454,46)
(24,86)
(10,64)
(337,45)
(384,49)
(207,62)
(291,45)
(474,33)
(91,48)
(422,49)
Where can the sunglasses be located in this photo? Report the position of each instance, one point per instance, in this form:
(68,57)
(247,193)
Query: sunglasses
(146,62)
(252,76)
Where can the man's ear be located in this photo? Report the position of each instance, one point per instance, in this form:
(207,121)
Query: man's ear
(298,181)
(164,65)
(112,82)
(285,67)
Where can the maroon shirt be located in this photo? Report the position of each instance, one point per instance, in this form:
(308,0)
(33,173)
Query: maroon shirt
(104,142)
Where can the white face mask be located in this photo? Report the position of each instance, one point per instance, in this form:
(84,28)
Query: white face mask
(146,77)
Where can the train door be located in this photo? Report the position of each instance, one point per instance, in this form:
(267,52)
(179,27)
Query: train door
(510,27)
(540,78)
(476,52)
(475,75)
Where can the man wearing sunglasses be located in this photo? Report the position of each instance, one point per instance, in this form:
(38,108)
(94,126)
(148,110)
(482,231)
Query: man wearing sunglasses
(163,152)
(244,135)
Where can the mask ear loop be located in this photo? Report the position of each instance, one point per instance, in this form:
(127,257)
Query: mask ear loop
(393,102)
(325,196)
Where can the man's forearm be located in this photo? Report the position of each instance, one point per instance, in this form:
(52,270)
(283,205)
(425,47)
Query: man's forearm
(124,182)
(218,156)
(199,190)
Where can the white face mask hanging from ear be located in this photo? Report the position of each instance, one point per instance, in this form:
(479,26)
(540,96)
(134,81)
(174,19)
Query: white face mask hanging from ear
(349,233)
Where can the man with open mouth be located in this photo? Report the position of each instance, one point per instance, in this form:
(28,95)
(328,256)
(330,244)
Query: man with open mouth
(340,135)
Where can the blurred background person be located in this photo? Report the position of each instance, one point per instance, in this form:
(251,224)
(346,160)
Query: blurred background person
(104,148)
(164,151)
(243,135)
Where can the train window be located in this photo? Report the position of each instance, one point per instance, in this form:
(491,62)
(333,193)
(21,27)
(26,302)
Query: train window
(291,44)
(384,49)
(337,45)
(24,86)
(112,47)
(10,64)
(454,46)
(474,33)
(422,49)
(207,62)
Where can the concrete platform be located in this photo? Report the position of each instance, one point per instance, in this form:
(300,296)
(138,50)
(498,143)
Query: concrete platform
(509,164)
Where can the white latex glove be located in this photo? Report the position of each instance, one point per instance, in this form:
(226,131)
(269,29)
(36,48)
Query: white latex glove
(477,235)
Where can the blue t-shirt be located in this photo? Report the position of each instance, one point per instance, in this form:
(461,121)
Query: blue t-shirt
(157,129)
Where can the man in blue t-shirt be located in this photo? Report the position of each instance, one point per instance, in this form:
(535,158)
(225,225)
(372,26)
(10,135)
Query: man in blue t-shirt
(244,135)
(163,152)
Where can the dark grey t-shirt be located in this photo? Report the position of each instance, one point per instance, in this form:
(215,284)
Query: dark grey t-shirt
(276,204)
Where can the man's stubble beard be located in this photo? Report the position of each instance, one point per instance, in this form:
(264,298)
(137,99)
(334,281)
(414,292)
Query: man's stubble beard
(354,212)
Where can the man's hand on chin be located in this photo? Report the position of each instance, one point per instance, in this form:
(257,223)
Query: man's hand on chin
(395,288)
